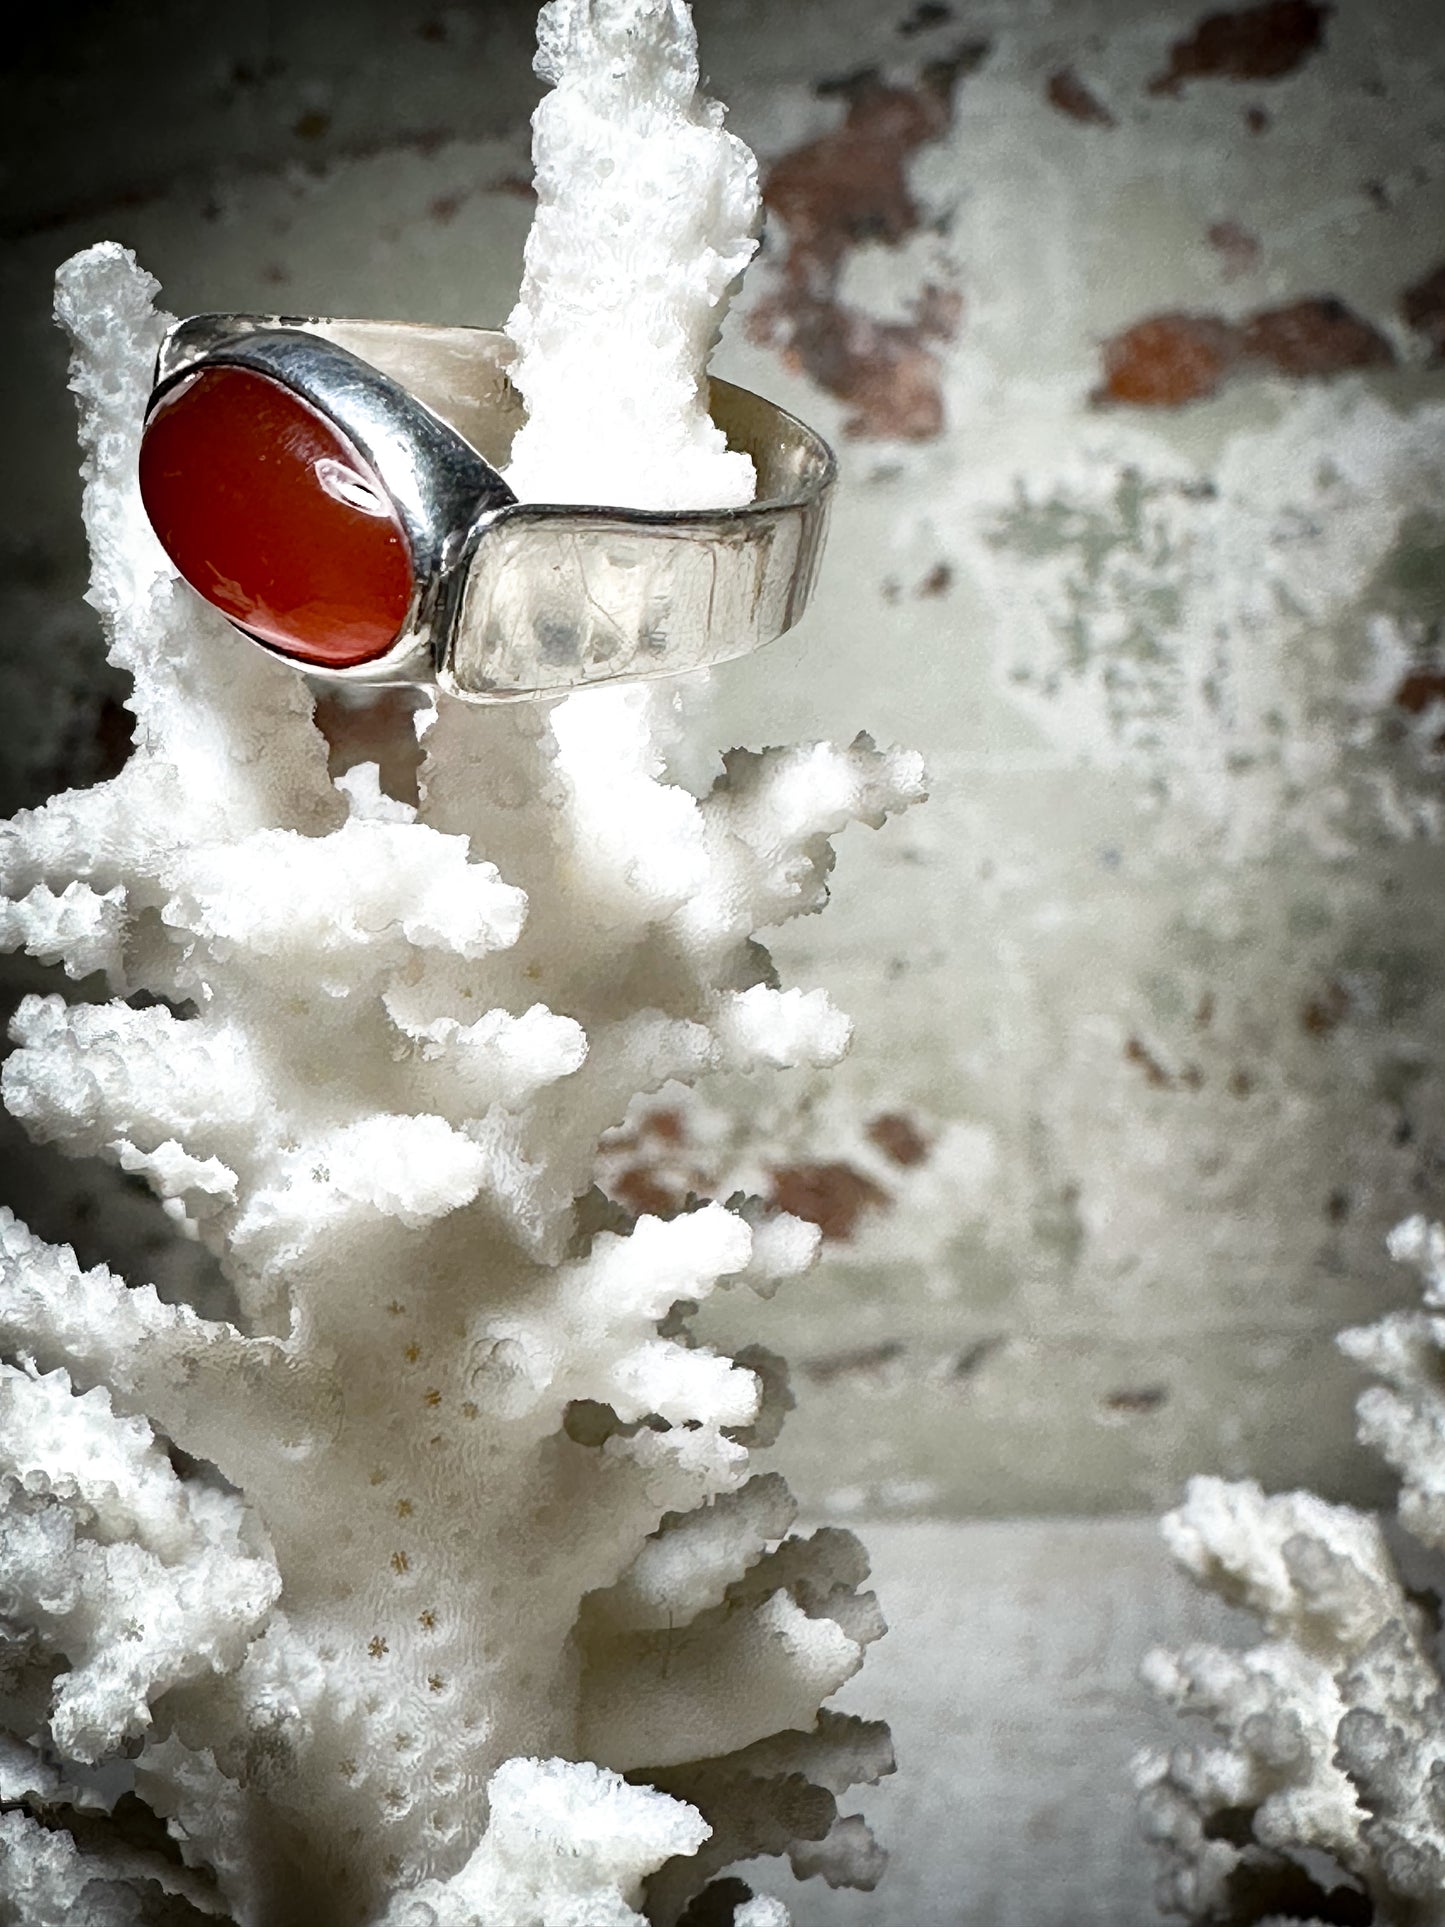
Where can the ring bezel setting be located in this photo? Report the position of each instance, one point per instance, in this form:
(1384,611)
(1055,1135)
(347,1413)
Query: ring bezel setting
(516,601)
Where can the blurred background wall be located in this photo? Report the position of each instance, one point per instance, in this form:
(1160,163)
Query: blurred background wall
(1128,323)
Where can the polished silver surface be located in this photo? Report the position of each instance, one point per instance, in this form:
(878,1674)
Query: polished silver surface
(521,600)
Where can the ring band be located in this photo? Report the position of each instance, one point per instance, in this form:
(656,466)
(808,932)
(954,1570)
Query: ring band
(333,487)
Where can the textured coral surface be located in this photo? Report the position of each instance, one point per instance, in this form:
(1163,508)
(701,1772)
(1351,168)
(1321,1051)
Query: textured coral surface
(444,1513)
(1324,1797)
(1153,974)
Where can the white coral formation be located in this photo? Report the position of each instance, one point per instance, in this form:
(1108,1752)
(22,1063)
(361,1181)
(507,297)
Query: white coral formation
(1324,1798)
(462,1521)
(613,341)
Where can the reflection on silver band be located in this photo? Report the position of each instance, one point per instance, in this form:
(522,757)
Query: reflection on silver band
(518,600)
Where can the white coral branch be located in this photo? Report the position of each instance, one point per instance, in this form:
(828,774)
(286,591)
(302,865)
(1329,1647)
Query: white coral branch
(731,1677)
(647,213)
(567,1844)
(140,1580)
(48,1880)
(159,1360)
(1331,1731)
(366,1050)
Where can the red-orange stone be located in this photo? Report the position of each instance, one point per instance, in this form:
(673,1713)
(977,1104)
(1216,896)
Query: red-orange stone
(271,514)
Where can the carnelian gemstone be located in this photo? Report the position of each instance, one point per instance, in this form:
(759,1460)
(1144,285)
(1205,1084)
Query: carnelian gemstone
(271,514)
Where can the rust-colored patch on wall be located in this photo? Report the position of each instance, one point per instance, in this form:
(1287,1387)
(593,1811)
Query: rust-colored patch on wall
(852,185)
(1249,43)
(1168,360)
(1323,1014)
(667,1124)
(1138,1053)
(1238,248)
(1066,92)
(645,1195)
(1313,339)
(831,1195)
(834,194)
(899,1138)
(888,370)
(1423,309)
(655,1184)
(1419,690)
(1136,1403)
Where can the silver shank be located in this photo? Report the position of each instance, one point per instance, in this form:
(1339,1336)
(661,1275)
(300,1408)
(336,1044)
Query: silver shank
(557,597)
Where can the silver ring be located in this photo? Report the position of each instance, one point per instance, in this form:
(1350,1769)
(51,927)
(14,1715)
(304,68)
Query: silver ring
(334,488)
